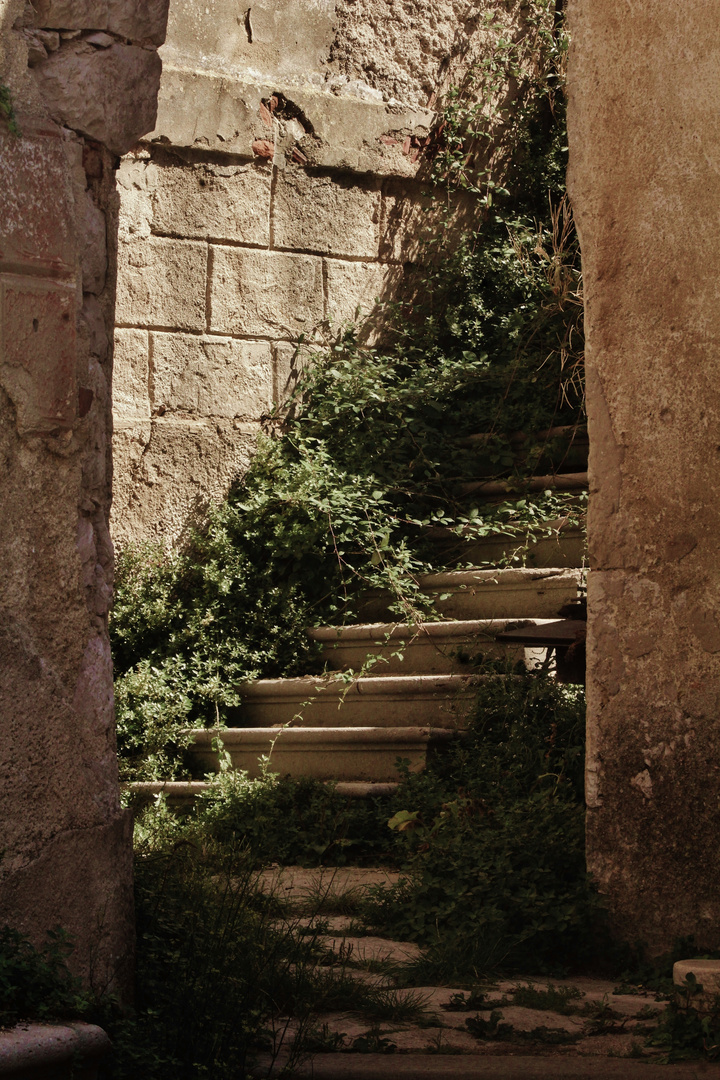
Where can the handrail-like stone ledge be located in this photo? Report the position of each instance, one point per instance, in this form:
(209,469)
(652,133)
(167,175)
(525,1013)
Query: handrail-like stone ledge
(32,1049)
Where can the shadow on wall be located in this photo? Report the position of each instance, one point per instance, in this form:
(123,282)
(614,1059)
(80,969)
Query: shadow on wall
(83,89)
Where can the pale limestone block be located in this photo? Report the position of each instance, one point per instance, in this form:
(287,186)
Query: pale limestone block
(354,291)
(169,470)
(199,108)
(107,94)
(162,283)
(266,293)
(212,376)
(326,214)
(288,367)
(220,202)
(131,397)
(275,38)
(134,180)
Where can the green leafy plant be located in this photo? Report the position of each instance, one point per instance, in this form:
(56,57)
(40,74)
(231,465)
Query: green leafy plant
(494,856)
(7,111)
(361,480)
(35,981)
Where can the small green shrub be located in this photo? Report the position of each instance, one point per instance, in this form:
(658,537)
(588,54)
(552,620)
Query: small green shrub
(35,982)
(494,842)
(303,822)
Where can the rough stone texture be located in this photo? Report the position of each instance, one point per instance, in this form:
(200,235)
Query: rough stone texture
(308,209)
(209,377)
(64,837)
(264,293)
(147,498)
(218,202)
(137,20)
(406,49)
(131,393)
(273,39)
(108,94)
(162,283)
(645,182)
(353,292)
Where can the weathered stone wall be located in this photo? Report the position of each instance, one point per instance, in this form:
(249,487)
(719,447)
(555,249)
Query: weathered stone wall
(282,186)
(645,181)
(83,81)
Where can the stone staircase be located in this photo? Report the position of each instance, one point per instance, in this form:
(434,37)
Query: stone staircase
(414,689)
(396,690)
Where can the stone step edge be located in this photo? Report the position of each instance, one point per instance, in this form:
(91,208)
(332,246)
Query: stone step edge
(570,481)
(187,791)
(408,686)
(307,736)
(520,576)
(380,633)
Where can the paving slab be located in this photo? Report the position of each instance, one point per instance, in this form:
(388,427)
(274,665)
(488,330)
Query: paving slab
(361,950)
(298,884)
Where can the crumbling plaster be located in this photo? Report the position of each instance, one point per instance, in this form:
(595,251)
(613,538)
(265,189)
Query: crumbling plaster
(81,96)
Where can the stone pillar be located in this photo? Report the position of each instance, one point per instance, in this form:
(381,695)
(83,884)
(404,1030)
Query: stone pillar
(644,92)
(81,80)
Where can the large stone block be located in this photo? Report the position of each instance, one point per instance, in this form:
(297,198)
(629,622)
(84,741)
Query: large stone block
(277,38)
(167,471)
(220,112)
(138,20)
(37,204)
(645,184)
(108,94)
(130,392)
(355,290)
(266,293)
(136,208)
(161,283)
(208,377)
(326,214)
(38,353)
(218,202)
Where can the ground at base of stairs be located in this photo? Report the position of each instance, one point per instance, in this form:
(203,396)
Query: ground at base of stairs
(495,1067)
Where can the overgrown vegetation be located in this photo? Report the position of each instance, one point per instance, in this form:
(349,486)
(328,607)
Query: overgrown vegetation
(35,982)
(493,838)
(359,480)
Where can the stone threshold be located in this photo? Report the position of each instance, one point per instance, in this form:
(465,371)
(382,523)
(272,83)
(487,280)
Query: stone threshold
(185,792)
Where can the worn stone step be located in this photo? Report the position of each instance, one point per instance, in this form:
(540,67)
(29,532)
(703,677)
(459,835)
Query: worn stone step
(492,489)
(320,753)
(488,594)
(434,648)
(372,701)
(561,548)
